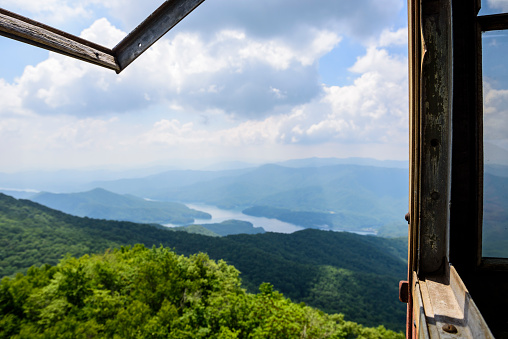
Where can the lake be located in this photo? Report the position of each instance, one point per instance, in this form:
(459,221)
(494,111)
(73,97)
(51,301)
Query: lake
(220,215)
(269,225)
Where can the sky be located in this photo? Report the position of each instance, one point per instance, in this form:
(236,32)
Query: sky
(236,80)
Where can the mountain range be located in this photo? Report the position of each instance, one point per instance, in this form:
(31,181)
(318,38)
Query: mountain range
(101,204)
(345,197)
(353,194)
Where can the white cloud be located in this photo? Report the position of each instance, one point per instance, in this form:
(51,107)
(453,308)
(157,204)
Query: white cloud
(10,97)
(103,33)
(88,133)
(219,82)
(389,37)
(371,110)
(52,12)
(291,19)
(499,4)
(287,19)
(231,71)
(279,55)
(495,102)
(72,15)
(379,61)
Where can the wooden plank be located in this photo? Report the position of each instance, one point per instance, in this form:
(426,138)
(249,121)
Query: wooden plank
(414,52)
(472,316)
(435,133)
(152,29)
(26,30)
(494,264)
(493,22)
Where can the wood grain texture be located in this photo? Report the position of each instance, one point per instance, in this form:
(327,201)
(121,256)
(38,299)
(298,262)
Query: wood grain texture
(170,13)
(16,27)
(493,22)
(152,29)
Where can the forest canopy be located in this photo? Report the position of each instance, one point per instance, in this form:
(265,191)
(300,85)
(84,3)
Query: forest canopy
(156,293)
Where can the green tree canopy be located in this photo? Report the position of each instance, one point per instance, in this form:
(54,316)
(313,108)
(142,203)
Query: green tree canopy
(135,292)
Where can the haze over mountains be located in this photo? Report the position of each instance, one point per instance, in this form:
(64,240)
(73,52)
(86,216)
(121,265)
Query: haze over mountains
(325,193)
(75,180)
(101,204)
(350,197)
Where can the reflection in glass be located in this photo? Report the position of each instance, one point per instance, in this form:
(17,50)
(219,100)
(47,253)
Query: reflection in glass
(495,140)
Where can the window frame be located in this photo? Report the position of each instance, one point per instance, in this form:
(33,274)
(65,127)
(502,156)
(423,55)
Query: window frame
(163,19)
(487,23)
(446,174)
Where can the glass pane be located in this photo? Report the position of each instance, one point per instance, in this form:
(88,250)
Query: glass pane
(495,138)
(493,7)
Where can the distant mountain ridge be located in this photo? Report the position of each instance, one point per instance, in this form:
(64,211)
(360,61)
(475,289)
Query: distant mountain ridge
(349,197)
(102,204)
(495,215)
(355,197)
(73,180)
(318,162)
(353,194)
(229,227)
(224,228)
(146,186)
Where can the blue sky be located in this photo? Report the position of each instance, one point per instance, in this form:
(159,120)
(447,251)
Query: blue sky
(242,80)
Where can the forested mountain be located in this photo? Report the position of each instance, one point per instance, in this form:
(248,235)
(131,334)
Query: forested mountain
(101,204)
(335,271)
(154,293)
(349,197)
(156,184)
(495,213)
(228,227)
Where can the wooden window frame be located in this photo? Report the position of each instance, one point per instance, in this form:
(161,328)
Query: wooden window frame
(164,18)
(446,175)
(487,23)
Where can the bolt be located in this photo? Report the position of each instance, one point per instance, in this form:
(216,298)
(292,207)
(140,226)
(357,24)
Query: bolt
(407,217)
(449,328)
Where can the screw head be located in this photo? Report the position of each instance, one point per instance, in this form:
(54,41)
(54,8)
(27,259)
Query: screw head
(448,328)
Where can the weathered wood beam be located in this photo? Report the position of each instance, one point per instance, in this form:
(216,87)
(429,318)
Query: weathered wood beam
(493,22)
(170,13)
(152,29)
(17,27)
(435,132)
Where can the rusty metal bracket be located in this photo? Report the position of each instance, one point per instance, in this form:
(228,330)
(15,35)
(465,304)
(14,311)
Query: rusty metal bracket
(26,30)
(404,291)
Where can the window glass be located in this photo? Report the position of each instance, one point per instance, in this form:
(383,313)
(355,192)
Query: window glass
(495,139)
(493,7)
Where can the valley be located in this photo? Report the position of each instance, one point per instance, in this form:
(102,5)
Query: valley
(317,193)
(299,264)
